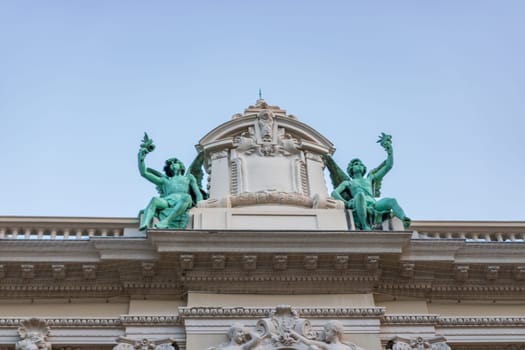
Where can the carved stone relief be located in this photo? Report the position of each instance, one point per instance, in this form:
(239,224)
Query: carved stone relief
(419,343)
(34,334)
(285,330)
(144,344)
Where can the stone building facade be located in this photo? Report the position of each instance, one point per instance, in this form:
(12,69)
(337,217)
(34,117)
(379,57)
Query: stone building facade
(274,255)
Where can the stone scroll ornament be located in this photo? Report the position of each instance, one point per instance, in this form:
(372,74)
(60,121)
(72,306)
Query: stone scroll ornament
(359,192)
(34,334)
(145,344)
(284,329)
(178,190)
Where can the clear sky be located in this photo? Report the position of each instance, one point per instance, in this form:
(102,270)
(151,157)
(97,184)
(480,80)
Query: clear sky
(80,81)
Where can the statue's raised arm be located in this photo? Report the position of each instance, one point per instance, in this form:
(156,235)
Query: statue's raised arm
(178,192)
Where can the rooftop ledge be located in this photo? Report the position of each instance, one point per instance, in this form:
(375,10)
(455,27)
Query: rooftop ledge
(84,228)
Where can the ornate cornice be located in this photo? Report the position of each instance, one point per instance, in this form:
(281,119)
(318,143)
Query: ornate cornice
(128,320)
(408,320)
(53,287)
(321,277)
(151,320)
(452,321)
(476,321)
(67,322)
(241,312)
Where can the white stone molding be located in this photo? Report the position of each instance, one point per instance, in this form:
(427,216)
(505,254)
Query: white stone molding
(473,231)
(34,333)
(70,228)
(145,320)
(480,321)
(96,323)
(261,312)
(409,320)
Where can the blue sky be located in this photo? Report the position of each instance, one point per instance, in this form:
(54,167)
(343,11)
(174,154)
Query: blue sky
(80,81)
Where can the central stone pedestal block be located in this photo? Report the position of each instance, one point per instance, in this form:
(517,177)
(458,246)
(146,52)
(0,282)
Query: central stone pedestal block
(268,218)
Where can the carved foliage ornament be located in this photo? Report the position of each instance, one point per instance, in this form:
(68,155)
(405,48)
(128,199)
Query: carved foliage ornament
(265,138)
(144,344)
(284,329)
(419,343)
(34,334)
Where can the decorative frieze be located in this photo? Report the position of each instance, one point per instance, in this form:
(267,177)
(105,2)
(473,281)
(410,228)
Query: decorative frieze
(257,312)
(143,320)
(485,321)
(409,320)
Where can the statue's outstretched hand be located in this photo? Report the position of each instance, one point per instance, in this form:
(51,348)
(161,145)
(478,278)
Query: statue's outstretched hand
(386,142)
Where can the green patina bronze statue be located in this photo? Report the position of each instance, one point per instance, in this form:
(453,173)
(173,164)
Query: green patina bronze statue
(359,193)
(178,190)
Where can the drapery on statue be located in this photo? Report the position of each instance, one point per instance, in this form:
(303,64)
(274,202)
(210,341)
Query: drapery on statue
(359,193)
(239,338)
(178,190)
(331,338)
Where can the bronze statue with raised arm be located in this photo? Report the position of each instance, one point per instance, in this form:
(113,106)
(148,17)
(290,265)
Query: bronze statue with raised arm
(359,193)
(178,190)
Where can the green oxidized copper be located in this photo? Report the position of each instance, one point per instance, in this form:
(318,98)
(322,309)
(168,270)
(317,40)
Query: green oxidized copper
(359,193)
(178,190)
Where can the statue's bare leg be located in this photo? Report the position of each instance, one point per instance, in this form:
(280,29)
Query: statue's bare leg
(360,210)
(155,204)
(177,210)
(386,204)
